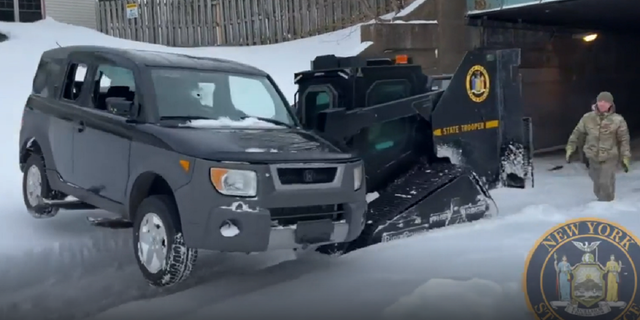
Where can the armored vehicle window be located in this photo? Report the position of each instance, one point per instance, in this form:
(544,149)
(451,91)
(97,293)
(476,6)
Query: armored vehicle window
(390,134)
(212,95)
(387,91)
(75,78)
(111,81)
(316,100)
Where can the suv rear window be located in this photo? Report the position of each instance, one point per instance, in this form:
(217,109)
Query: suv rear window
(41,81)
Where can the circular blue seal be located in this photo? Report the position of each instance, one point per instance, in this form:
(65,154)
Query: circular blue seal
(584,268)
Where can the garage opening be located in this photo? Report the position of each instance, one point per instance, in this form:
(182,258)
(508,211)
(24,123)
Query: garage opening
(571,50)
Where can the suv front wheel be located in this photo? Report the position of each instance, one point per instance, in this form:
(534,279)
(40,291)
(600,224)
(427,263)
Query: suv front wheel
(35,188)
(158,243)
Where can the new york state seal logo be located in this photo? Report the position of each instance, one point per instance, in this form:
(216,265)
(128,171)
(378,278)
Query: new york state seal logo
(584,268)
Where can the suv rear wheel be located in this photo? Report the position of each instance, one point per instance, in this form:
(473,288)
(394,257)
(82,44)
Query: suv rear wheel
(35,187)
(158,244)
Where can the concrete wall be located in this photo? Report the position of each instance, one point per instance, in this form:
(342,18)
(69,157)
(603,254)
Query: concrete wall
(419,40)
(562,75)
(435,35)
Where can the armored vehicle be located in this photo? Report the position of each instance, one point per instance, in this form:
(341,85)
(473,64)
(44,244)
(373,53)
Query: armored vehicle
(432,145)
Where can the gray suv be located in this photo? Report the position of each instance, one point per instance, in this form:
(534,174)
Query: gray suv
(192,153)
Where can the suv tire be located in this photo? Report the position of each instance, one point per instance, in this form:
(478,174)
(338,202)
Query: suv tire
(35,187)
(158,243)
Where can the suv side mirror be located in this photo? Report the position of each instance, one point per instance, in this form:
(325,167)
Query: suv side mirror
(119,106)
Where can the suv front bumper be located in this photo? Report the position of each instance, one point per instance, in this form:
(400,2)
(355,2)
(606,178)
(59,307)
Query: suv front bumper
(279,217)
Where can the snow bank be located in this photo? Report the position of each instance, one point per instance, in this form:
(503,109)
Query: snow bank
(454,154)
(471,270)
(451,299)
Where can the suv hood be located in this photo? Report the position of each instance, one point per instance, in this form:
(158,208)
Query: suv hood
(248,144)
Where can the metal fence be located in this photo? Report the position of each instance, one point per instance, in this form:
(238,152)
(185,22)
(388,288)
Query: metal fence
(193,23)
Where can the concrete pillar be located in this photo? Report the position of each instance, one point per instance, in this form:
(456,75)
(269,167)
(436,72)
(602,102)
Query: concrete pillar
(453,33)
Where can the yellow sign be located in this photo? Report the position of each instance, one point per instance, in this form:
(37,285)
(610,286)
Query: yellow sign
(132,11)
(466,128)
(478,83)
(583,268)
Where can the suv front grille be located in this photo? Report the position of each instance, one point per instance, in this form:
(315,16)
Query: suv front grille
(306,175)
(293,215)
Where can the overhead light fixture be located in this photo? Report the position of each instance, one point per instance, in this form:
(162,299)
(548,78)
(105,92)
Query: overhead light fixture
(586,37)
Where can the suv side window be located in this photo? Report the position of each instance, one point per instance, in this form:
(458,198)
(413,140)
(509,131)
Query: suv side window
(76,76)
(112,82)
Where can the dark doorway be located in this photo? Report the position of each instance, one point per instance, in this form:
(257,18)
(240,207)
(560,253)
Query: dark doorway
(28,10)
(570,51)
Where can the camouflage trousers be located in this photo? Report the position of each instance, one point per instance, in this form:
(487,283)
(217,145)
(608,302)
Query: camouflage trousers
(603,175)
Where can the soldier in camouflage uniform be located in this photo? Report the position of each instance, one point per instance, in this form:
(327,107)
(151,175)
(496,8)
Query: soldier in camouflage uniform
(606,143)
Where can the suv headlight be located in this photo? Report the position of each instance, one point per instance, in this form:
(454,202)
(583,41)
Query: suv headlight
(232,182)
(357,177)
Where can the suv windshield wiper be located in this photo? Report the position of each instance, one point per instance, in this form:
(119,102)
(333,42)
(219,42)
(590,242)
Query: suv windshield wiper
(273,121)
(183,118)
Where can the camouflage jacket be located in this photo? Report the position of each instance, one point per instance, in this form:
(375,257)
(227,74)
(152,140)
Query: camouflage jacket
(606,136)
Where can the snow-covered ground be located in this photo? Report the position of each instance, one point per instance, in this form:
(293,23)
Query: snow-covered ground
(64,257)
(62,268)
(461,272)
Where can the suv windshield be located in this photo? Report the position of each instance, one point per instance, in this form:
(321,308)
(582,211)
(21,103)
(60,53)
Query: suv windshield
(196,94)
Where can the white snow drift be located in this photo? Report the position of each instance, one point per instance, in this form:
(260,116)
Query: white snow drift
(464,271)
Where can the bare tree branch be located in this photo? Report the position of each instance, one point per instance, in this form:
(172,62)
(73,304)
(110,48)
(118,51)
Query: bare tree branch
(369,10)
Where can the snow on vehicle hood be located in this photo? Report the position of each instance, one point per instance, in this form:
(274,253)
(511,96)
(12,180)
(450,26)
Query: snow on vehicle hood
(226,122)
(264,143)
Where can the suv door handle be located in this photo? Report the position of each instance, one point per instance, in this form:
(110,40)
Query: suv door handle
(81,126)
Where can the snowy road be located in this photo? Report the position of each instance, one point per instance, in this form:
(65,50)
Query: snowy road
(477,265)
(369,282)
(62,268)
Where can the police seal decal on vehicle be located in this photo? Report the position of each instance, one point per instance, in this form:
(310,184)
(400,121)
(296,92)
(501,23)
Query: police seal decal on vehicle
(478,83)
(583,268)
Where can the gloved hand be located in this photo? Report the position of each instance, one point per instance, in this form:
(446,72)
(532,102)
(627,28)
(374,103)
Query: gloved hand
(626,164)
(569,152)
